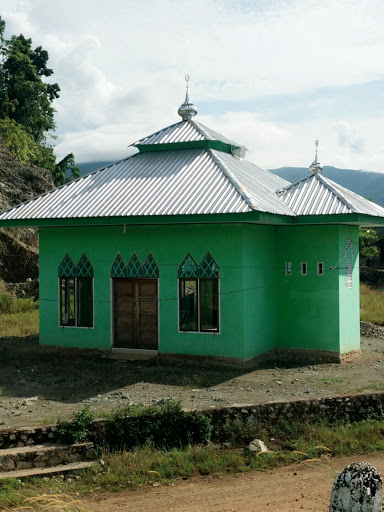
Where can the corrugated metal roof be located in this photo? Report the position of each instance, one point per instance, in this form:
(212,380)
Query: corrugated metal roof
(184,131)
(212,135)
(164,183)
(189,181)
(318,195)
(192,181)
(259,184)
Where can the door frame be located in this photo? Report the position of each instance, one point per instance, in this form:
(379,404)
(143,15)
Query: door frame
(139,351)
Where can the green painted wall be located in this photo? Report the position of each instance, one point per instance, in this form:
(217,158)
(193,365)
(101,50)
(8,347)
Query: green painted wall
(169,245)
(260,292)
(260,307)
(317,311)
(349,304)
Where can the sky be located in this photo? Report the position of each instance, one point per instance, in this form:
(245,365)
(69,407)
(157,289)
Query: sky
(273,75)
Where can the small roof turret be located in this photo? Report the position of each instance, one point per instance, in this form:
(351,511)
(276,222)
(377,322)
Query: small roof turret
(315,166)
(187,110)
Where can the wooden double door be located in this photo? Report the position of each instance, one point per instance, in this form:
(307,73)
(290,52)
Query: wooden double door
(135,305)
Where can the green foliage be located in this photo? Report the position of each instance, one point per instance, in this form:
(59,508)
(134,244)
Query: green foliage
(25,97)
(65,170)
(24,147)
(10,306)
(145,467)
(368,237)
(237,433)
(26,111)
(164,426)
(78,429)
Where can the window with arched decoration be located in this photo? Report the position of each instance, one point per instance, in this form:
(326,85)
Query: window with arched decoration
(199,295)
(76,292)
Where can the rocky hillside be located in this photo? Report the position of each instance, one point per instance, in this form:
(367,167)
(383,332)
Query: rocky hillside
(18,248)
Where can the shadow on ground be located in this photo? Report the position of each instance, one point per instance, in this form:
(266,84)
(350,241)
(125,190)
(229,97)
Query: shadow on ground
(72,375)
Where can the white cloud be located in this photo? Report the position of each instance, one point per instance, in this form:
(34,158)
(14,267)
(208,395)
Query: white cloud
(121,65)
(348,137)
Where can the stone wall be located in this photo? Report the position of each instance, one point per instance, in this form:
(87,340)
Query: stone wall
(18,437)
(342,408)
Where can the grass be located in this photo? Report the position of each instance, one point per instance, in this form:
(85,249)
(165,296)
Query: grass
(19,324)
(147,467)
(371,305)
(332,380)
(11,306)
(18,317)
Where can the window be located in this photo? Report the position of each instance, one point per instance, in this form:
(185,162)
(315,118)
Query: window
(320,268)
(288,268)
(76,292)
(304,269)
(199,295)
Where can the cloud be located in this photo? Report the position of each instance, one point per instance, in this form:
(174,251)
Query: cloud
(348,138)
(121,67)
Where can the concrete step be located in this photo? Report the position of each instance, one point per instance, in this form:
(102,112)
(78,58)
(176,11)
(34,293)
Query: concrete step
(44,456)
(61,468)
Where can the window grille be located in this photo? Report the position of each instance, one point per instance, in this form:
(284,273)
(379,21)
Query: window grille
(208,267)
(118,268)
(84,267)
(134,268)
(67,267)
(150,268)
(188,267)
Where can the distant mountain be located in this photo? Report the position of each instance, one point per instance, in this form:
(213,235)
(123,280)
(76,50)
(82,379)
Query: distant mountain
(87,167)
(368,184)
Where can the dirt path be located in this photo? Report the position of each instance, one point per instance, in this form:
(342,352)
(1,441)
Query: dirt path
(288,489)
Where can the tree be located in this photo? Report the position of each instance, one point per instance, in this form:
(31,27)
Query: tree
(24,147)
(65,170)
(26,111)
(367,239)
(25,97)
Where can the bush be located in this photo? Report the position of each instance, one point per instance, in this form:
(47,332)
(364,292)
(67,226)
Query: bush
(78,429)
(162,427)
(10,305)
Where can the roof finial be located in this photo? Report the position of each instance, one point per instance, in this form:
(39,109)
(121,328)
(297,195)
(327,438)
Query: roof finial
(187,110)
(186,94)
(315,166)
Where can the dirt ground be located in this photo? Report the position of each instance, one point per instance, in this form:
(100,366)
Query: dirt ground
(41,384)
(288,489)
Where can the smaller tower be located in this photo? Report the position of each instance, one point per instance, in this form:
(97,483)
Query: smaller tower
(315,166)
(187,110)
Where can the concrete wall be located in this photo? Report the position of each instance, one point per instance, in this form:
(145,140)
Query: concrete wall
(261,308)
(168,245)
(318,311)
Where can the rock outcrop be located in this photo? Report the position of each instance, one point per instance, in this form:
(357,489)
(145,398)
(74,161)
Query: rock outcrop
(18,248)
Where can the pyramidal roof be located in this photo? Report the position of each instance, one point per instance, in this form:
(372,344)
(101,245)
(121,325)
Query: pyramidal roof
(188,169)
(318,195)
(185,131)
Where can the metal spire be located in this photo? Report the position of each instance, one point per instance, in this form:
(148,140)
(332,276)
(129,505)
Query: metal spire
(315,166)
(187,110)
